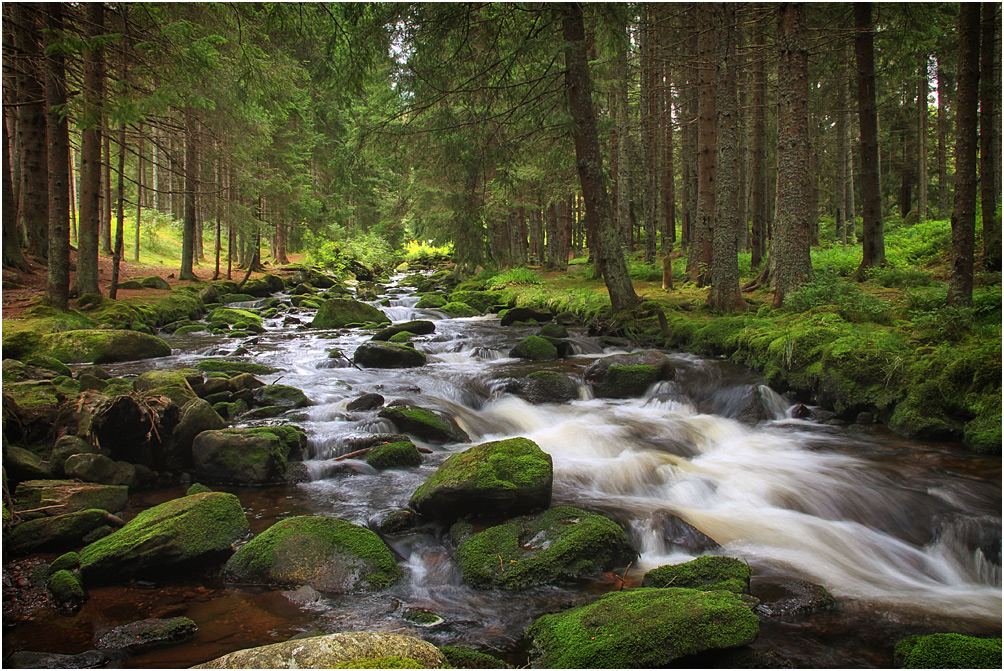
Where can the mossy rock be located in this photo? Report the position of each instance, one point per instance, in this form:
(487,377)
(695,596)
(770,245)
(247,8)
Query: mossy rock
(230,409)
(237,298)
(65,588)
(401,337)
(534,348)
(175,535)
(197,488)
(707,573)
(52,534)
(482,301)
(547,386)
(69,561)
(948,651)
(462,657)
(416,327)
(525,316)
(329,554)
(96,346)
(426,424)
(641,628)
(553,331)
(234,367)
(457,309)
(21,464)
(131,285)
(146,634)
(246,456)
(392,662)
(559,544)
(280,395)
(186,378)
(394,455)
(338,313)
(325,652)
(626,381)
(194,328)
(233,316)
(377,354)
(431,301)
(70,496)
(496,479)
(155,282)
(48,363)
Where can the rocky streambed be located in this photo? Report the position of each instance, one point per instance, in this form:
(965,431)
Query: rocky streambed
(467,483)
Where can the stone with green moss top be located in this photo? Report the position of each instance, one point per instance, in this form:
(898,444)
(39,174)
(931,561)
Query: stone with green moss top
(708,572)
(496,479)
(392,662)
(327,553)
(198,488)
(482,301)
(233,316)
(641,628)
(559,544)
(431,301)
(458,309)
(193,328)
(146,634)
(48,363)
(462,657)
(234,367)
(69,561)
(51,534)
(65,588)
(401,337)
(175,535)
(237,298)
(280,395)
(426,424)
(70,496)
(948,651)
(534,348)
(417,327)
(97,346)
(626,381)
(394,455)
(21,464)
(258,455)
(377,354)
(326,652)
(336,313)
(553,331)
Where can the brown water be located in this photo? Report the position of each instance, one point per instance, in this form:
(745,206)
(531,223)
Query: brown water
(905,534)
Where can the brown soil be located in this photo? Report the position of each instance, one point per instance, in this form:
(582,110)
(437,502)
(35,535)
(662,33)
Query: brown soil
(32,285)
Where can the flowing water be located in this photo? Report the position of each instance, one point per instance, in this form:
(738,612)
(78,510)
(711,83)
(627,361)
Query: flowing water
(906,535)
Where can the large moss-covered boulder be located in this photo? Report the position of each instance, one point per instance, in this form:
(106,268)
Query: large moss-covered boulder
(417,327)
(280,395)
(642,629)
(155,282)
(431,301)
(65,496)
(628,375)
(948,651)
(247,456)
(147,634)
(394,455)
(21,464)
(534,348)
(175,535)
(325,652)
(52,534)
(186,378)
(65,588)
(496,479)
(428,425)
(459,310)
(233,316)
(388,355)
(329,554)
(101,469)
(558,544)
(197,415)
(336,313)
(707,573)
(97,346)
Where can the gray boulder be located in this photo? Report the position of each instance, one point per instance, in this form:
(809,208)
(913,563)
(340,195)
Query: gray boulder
(146,634)
(426,424)
(377,354)
(100,469)
(247,456)
(53,534)
(196,416)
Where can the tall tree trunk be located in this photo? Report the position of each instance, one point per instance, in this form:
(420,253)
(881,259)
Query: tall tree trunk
(872,238)
(851,228)
(589,161)
(188,232)
(742,76)
(73,195)
(651,142)
(90,154)
(789,250)
(960,282)
(942,154)
(922,212)
(119,214)
(669,169)
(34,192)
(840,195)
(57,288)
(622,176)
(155,169)
(990,136)
(758,195)
(106,196)
(706,143)
(139,189)
(724,293)
(12,256)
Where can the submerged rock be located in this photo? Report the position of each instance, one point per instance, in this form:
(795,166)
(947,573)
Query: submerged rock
(329,554)
(146,634)
(795,597)
(377,354)
(641,628)
(426,424)
(24,659)
(326,652)
(709,572)
(496,479)
(336,313)
(558,544)
(177,534)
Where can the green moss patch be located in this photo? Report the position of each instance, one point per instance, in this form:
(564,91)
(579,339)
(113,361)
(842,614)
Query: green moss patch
(462,657)
(534,348)
(337,313)
(458,309)
(394,455)
(948,651)
(425,424)
(96,346)
(707,573)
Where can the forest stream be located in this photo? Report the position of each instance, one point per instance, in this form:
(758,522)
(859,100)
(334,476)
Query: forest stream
(905,534)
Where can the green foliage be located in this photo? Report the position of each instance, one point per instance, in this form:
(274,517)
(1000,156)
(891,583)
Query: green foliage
(518,276)
(423,251)
(838,260)
(847,299)
(948,651)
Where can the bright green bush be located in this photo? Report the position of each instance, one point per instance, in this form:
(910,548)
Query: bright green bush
(512,276)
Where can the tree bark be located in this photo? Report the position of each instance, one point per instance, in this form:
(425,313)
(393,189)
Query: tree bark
(106,196)
(90,156)
(139,190)
(758,197)
(669,164)
(724,293)
(789,249)
(872,238)
(188,232)
(942,154)
(706,184)
(960,282)
(12,256)
(922,212)
(840,195)
(990,137)
(57,288)
(589,161)
(34,192)
(119,216)
(649,135)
